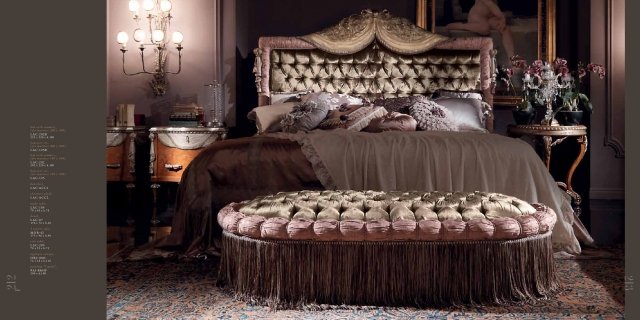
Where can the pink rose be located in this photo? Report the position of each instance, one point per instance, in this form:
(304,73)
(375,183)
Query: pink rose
(559,62)
(562,70)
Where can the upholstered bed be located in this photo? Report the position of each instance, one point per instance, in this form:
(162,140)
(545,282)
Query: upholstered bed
(371,55)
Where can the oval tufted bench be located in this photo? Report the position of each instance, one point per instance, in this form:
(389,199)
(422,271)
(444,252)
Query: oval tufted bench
(393,248)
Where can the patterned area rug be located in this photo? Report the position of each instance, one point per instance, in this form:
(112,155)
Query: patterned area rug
(591,289)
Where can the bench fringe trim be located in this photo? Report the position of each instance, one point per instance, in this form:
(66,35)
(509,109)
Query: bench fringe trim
(315,275)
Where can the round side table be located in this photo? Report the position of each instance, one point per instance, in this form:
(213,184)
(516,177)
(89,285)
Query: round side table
(552,136)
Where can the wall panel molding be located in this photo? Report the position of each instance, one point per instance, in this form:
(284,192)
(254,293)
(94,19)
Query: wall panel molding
(606,193)
(614,134)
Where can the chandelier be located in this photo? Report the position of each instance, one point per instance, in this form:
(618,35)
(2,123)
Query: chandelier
(154,34)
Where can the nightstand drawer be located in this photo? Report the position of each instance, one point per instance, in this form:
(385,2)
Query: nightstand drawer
(115,162)
(173,148)
(171,162)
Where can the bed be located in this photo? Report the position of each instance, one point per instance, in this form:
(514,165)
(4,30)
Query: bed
(371,55)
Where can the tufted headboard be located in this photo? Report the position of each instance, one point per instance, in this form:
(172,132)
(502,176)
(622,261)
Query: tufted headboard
(291,64)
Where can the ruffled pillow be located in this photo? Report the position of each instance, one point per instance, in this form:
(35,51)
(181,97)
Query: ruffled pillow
(432,116)
(304,117)
(399,104)
(333,100)
(353,117)
(392,121)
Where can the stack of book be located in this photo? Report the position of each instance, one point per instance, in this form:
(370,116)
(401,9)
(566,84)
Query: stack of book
(189,115)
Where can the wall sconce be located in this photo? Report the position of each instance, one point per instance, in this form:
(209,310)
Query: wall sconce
(158,16)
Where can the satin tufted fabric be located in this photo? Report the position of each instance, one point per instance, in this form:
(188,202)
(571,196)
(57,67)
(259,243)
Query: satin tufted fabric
(375,72)
(373,215)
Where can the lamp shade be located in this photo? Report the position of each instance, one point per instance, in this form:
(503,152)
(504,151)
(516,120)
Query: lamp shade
(177,37)
(139,35)
(122,38)
(157,35)
(165,5)
(148,5)
(134,6)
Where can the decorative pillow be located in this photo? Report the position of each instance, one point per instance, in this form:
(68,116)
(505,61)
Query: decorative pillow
(467,113)
(304,117)
(268,118)
(282,97)
(392,121)
(457,94)
(432,116)
(333,100)
(399,104)
(351,117)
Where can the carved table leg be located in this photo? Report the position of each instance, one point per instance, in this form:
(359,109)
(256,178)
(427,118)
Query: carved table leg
(582,140)
(548,142)
(568,187)
(154,190)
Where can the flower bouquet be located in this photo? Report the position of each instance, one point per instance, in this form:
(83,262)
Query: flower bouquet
(553,85)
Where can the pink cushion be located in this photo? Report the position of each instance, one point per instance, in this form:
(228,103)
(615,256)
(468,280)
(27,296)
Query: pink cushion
(326,230)
(275,228)
(352,230)
(379,216)
(301,229)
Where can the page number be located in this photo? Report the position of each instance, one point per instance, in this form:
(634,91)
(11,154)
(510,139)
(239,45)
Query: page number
(12,283)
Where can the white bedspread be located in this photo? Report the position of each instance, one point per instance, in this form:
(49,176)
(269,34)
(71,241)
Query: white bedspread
(444,161)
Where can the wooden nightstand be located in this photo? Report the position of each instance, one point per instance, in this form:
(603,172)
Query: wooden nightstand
(552,136)
(121,152)
(172,149)
(122,145)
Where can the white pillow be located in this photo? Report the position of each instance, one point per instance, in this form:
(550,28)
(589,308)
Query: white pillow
(458,94)
(468,113)
(268,117)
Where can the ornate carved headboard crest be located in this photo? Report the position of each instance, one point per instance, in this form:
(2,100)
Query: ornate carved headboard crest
(358,31)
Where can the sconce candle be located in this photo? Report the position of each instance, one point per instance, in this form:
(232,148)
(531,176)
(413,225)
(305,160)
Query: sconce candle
(122,38)
(134,6)
(158,17)
(177,37)
(139,35)
(148,5)
(165,5)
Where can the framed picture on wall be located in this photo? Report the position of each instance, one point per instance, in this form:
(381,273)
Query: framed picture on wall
(525,28)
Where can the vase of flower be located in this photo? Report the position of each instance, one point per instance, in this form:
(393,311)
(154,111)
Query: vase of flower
(569,118)
(524,112)
(523,117)
(557,87)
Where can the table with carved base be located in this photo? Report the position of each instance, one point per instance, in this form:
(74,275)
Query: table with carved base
(552,136)
(172,149)
(121,158)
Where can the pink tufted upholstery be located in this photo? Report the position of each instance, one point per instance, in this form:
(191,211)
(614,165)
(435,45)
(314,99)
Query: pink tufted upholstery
(380,216)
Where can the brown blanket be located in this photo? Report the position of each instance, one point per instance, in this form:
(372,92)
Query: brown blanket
(241,169)
(233,170)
